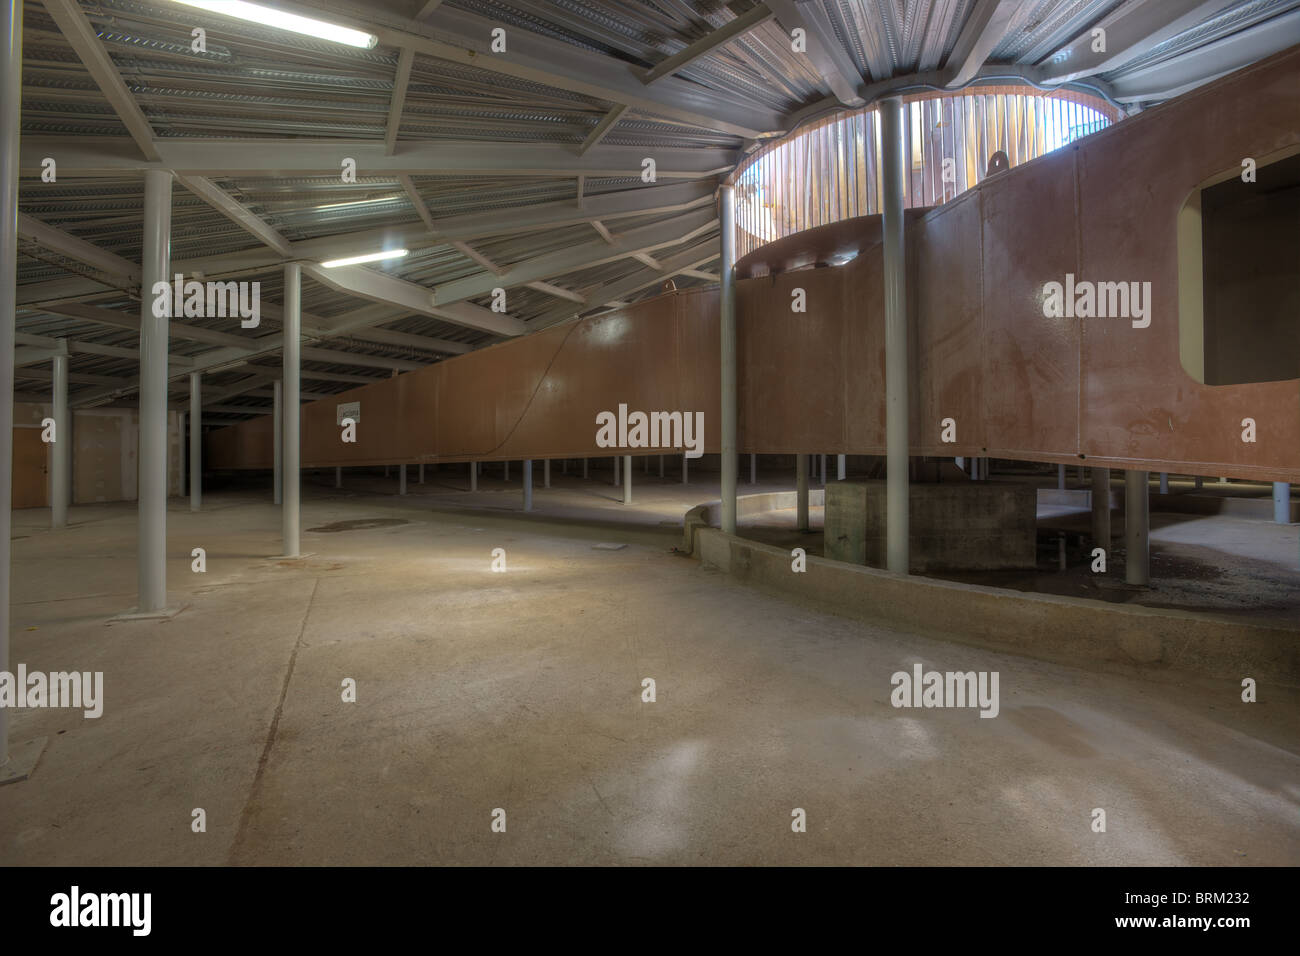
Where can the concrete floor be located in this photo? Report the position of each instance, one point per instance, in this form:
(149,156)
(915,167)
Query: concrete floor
(522,690)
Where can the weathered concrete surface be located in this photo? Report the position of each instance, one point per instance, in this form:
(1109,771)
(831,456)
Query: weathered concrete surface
(522,690)
(1136,640)
(982,525)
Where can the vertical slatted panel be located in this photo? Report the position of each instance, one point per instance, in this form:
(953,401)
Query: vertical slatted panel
(831,172)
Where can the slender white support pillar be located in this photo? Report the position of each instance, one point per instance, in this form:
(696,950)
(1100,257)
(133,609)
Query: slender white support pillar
(1101,509)
(528,484)
(196,441)
(1164,482)
(277,473)
(1060,477)
(727,304)
(60,452)
(338,476)
(801,490)
(616,464)
(686,467)
(753,468)
(1282,502)
(627,479)
(546,473)
(180,429)
(152,462)
(897,447)
(401,478)
(841,467)
(1137,518)
(291,331)
(11,85)
(473,476)
(421,477)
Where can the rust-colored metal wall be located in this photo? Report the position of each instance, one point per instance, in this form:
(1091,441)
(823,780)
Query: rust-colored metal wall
(1019,385)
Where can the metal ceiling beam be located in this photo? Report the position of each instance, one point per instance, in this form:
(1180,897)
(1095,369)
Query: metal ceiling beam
(76,347)
(706,44)
(556,291)
(1132,31)
(65,244)
(1179,74)
(613,292)
(607,123)
(989,21)
(643,239)
(131,322)
(224,203)
(378,287)
(114,155)
(465,38)
(361,361)
(428,343)
(400,81)
(827,54)
(51,291)
(81,37)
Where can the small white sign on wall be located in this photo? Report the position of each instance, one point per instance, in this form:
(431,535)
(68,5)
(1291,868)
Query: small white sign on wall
(350,410)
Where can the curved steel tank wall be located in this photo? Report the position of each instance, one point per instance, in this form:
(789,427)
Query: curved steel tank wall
(1019,385)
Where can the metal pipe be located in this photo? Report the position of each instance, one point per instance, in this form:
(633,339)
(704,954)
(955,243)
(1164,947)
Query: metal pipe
(895,280)
(1101,509)
(59,474)
(727,281)
(528,484)
(151,503)
(196,441)
(291,331)
(277,476)
(801,490)
(1137,517)
(11,86)
(627,479)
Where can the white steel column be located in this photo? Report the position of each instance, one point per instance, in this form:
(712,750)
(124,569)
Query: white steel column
(528,484)
(151,504)
(473,476)
(196,441)
(890,113)
(801,490)
(277,477)
(291,331)
(726,219)
(627,479)
(61,452)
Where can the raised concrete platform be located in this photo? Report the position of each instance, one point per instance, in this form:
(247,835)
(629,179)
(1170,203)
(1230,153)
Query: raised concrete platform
(971,525)
(1123,638)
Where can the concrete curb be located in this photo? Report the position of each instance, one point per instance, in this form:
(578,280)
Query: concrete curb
(1140,641)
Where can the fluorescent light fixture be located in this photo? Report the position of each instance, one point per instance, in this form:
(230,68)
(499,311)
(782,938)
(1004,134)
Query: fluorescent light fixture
(371,257)
(280,20)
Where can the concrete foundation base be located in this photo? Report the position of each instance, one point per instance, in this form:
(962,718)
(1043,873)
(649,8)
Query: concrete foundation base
(958,525)
(162,614)
(22,760)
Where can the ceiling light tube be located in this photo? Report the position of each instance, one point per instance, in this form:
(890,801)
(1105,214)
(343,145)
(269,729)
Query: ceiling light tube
(281,20)
(371,257)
